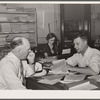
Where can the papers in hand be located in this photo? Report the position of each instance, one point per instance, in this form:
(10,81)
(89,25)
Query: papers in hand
(57,66)
(74,78)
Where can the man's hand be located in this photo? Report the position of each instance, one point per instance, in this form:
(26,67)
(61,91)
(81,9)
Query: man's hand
(31,57)
(67,68)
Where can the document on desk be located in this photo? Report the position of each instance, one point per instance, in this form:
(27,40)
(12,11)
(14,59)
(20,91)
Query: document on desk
(84,86)
(57,66)
(96,77)
(51,82)
(51,79)
(74,78)
(48,59)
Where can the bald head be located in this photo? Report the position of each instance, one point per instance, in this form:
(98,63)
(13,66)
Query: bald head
(20,47)
(18,41)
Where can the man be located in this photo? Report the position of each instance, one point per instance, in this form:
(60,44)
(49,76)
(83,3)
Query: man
(13,67)
(87,58)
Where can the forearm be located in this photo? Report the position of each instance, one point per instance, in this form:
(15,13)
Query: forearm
(84,70)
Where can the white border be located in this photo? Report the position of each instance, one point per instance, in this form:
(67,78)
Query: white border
(52,2)
(50,94)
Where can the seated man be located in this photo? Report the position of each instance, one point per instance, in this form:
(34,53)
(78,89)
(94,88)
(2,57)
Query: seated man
(87,58)
(13,67)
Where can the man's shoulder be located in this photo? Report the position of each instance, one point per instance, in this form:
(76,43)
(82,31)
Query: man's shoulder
(94,51)
(76,55)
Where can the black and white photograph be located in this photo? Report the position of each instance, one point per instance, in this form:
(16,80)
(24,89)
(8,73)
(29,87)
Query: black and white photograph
(51,49)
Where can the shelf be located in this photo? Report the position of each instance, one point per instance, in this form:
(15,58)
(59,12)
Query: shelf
(17,22)
(15,12)
(3,33)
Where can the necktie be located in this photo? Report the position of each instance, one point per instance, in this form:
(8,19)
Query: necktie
(22,74)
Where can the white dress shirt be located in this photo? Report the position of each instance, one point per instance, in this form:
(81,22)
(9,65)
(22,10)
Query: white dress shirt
(10,72)
(91,59)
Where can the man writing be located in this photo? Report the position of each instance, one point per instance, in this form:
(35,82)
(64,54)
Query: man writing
(87,58)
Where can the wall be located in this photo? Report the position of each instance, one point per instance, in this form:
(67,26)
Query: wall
(74,11)
(95,20)
(46,13)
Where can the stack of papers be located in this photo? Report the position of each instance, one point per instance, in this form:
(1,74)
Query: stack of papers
(31,18)
(31,26)
(24,27)
(15,27)
(97,78)
(58,66)
(6,27)
(84,86)
(50,82)
(49,59)
(23,18)
(3,19)
(51,79)
(74,78)
(2,8)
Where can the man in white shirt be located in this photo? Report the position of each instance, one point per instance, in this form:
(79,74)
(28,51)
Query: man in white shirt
(13,67)
(87,58)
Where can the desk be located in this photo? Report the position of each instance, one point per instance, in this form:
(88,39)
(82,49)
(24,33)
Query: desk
(32,83)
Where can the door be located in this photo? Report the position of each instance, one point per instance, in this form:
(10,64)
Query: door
(74,18)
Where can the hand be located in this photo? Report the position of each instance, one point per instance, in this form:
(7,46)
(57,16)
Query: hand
(67,68)
(38,67)
(31,57)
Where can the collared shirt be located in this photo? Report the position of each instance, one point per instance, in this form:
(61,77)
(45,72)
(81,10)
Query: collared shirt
(91,59)
(10,72)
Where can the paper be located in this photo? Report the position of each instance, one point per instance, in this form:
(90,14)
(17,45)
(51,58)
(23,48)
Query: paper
(3,19)
(66,51)
(15,27)
(53,77)
(84,86)
(23,18)
(51,82)
(6,27)
(74,78)
(97,78)
(48,59)
(57,66)
(24,27)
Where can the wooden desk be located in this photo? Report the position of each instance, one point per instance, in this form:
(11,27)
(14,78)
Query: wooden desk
(32,83)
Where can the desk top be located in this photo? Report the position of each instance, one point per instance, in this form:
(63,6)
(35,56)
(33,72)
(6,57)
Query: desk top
(32,83)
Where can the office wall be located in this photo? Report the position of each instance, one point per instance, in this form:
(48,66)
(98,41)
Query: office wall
(95,20)
(46,13)
(74,11)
